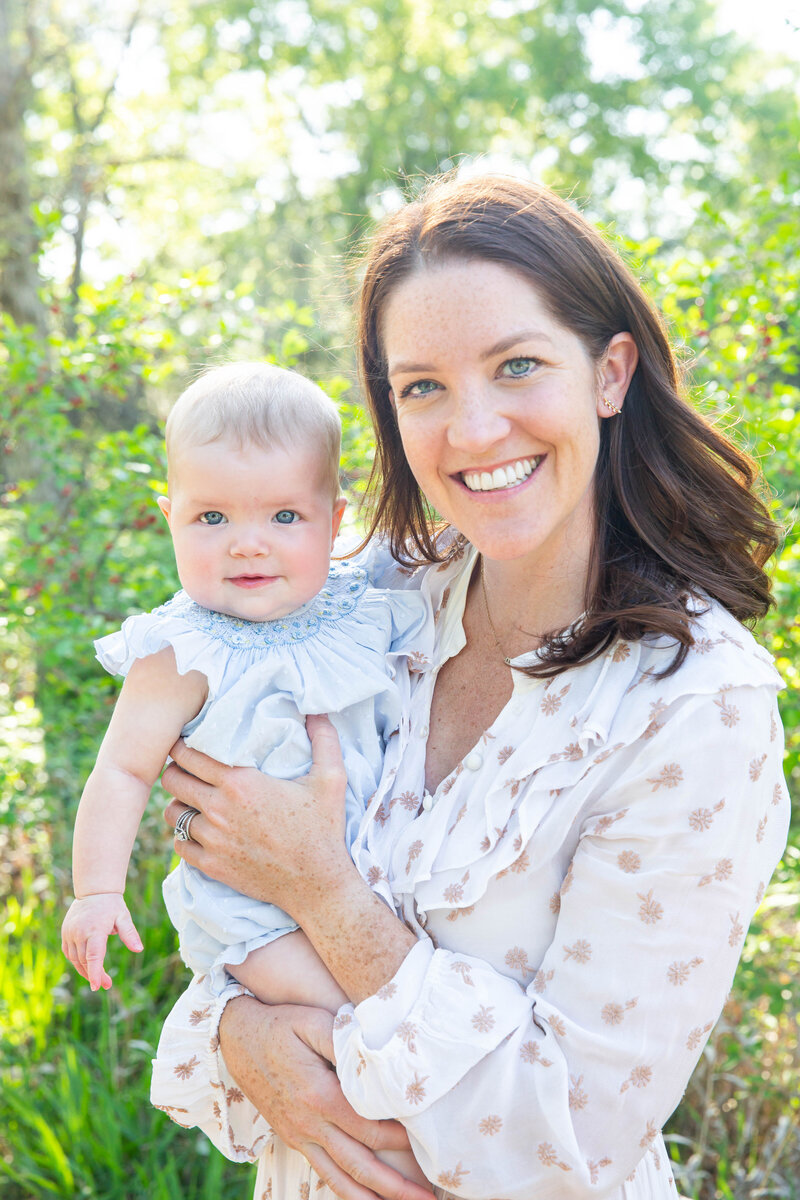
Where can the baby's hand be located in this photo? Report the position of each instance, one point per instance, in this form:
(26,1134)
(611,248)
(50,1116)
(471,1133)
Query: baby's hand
(86,929)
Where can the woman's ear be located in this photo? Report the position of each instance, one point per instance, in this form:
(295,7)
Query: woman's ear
(615,374)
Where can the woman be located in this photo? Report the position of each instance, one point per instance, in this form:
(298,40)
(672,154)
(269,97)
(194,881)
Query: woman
(583,806)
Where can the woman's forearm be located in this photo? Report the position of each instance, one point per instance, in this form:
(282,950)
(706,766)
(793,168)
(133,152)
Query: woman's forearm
(356,935)
(283,841)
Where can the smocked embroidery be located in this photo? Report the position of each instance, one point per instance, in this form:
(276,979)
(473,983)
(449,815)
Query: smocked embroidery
(338,598)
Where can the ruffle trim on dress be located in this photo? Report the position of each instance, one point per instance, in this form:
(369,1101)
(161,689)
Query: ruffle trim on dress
(349,628)
(445,857)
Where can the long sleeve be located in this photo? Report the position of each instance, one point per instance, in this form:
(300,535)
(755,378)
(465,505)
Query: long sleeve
(191,1082)
(553,1077)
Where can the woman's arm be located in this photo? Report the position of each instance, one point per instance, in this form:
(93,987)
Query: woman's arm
(279,1076)
(309,873)
(561,1090)
(282,1059)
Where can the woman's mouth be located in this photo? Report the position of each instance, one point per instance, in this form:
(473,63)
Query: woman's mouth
(501,477)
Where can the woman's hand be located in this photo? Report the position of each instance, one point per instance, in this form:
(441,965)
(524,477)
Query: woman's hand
(282,1058)
(283,841)
(273,839)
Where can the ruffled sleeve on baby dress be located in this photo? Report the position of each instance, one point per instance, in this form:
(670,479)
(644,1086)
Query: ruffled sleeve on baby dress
(328,654)
(201,641)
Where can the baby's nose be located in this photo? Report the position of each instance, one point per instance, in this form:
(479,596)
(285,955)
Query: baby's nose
(249,541)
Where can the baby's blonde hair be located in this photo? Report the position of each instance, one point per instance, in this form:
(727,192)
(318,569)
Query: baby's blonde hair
(261,403)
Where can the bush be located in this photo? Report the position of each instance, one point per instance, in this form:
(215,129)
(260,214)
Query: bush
(84,546)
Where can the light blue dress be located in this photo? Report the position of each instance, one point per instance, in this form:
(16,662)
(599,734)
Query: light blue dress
(347,652)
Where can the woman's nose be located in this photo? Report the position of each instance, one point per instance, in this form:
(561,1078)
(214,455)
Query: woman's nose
(476,421)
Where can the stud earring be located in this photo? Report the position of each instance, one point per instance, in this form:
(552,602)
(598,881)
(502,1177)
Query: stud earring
(616,411)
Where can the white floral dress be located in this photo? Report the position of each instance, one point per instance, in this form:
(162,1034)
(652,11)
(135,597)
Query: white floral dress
(580,886)
(337,654)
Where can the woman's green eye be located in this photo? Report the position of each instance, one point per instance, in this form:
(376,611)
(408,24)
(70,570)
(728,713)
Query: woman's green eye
(422,387)
(518,367)
(212,518)
(286,517)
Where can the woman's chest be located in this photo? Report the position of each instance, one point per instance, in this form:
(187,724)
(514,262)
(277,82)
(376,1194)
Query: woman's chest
(511,924)
(479,862)
(468,694)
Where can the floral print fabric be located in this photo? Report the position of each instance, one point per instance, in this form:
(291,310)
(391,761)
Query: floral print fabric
(580,886)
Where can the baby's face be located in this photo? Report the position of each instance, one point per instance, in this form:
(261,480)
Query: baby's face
(252,529)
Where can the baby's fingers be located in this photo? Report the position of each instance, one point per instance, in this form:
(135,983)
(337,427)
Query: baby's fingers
(128,932)
(75,956)
(93,961)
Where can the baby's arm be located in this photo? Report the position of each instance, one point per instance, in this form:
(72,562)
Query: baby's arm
(154,705)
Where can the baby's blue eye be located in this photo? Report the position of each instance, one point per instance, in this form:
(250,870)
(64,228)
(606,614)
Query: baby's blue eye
(517,368)
(286,517)
(212,518)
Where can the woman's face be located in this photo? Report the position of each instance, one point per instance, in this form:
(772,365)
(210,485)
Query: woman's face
(499,409)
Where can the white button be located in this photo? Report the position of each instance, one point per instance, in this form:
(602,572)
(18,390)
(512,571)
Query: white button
(473,761)
(423,731)
(427,802)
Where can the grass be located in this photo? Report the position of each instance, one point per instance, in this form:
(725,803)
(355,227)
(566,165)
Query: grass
(736,1134)
(75,1120)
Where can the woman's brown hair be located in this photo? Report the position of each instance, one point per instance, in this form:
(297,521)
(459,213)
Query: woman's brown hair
(676,511)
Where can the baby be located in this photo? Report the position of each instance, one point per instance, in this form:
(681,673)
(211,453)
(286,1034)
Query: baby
(264,632)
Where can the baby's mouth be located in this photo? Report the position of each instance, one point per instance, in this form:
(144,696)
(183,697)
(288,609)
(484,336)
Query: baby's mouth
(501,477)
(250,580)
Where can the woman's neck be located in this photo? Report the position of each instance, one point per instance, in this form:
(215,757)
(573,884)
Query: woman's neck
(524,602)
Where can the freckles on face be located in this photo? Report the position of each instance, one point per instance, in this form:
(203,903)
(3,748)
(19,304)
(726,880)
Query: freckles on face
(496,403)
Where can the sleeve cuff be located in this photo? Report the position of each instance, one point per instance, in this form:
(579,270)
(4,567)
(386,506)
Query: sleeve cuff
(191,1083)
(403,1048)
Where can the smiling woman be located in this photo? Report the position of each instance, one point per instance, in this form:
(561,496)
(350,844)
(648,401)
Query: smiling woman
(583,801)
(672,500)
(490,399)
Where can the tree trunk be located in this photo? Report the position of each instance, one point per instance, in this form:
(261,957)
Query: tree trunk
(19,241)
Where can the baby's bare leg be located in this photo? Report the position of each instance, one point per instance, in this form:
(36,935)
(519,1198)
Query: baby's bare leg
(289,971)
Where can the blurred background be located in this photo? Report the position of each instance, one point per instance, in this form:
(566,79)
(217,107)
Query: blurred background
(187,183)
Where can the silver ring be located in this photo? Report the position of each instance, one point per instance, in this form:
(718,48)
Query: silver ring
(182,824)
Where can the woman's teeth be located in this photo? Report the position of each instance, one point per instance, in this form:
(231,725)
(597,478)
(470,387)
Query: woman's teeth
(501,477)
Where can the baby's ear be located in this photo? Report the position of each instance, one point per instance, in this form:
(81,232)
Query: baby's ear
(165,504)
(338,513)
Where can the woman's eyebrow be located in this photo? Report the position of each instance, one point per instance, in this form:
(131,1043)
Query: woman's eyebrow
(514,339)
(506,343)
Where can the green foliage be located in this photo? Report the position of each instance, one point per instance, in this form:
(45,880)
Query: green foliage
(331,111)
(82,540)
(737,309)
(74,1115)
